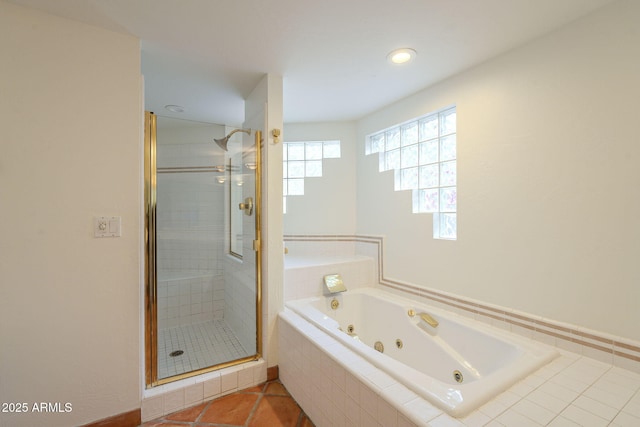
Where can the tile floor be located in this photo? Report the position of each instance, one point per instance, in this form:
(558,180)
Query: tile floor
(266,405)
(204,344)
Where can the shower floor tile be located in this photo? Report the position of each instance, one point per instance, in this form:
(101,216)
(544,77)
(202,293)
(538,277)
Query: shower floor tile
(203,344)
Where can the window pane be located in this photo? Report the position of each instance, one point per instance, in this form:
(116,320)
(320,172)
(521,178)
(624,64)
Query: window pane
(296,151)
(428,152)
(313,168)
(409,179)
(285,150)
(313,150)
(448,122)
(415,201)
(409,156)
(448,173)
(429,127)
(393,139)
(430,200)
(392,159)
(296,169)
(375,144)
(296,187)
(409,134)
(429,176)
(448,148)
(285,169)
(382,162)
(448,199)
(448,226)
(331,149)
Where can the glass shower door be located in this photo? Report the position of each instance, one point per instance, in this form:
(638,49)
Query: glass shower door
(203,288)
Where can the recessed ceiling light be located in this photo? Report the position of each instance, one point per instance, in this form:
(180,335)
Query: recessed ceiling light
(401,56)
(174,108)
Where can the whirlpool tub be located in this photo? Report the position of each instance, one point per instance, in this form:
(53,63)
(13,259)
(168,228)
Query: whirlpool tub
(453,362)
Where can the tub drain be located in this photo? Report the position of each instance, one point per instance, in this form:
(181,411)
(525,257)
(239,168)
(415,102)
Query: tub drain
(457,375)
(379,346)
(176,353)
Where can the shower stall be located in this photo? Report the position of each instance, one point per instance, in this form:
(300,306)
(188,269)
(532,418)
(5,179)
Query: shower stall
(202,186)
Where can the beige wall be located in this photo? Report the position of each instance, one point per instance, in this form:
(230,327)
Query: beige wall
(70,149)
(548,173)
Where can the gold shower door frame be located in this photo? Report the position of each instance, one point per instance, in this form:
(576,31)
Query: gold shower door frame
(151,297)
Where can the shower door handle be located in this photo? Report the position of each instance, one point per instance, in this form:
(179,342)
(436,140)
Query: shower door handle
(247,206)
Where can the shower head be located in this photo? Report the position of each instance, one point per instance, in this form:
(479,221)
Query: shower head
(222,142)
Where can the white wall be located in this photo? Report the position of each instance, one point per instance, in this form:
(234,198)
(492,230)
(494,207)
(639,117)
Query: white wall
(328,205)
(70,149)
(548,155)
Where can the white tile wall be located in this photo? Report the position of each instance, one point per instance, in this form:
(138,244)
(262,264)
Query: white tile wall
(303,276)
(337,388)
(194,298)
(190,240)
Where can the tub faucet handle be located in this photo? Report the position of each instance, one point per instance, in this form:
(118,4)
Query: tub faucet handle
(334,283)
(429,319)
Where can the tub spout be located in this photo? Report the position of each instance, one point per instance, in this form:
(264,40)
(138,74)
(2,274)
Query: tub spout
(334,283)
(430,320)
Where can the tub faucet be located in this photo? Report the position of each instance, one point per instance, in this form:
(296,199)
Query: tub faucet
(424,316)
(334,283)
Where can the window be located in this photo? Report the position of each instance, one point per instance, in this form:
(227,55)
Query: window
(304,160)
(422,154)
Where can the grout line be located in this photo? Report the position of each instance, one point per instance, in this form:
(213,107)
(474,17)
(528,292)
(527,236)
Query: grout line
(253,410)
(203,411)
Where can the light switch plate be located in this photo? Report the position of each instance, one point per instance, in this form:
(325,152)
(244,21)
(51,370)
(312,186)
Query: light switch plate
(107,226)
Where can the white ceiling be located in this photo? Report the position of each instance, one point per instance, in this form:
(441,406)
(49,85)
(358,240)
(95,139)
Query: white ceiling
(207,55)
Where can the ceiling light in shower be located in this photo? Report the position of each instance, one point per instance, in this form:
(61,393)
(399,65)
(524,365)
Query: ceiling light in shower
(221,179)
(250,166)
(401,56)
(174,108)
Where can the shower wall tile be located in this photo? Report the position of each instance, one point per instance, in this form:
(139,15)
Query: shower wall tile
(193,394)
(173,401)
(188,300)
(211,387)
(152,407)
(229,381)
(190,237)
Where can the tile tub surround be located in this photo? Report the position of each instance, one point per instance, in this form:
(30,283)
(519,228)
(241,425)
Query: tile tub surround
(303,276)
(165,399)
(617,351)
(336,387)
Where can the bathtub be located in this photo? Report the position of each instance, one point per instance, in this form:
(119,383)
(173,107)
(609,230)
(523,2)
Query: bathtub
(457,365)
